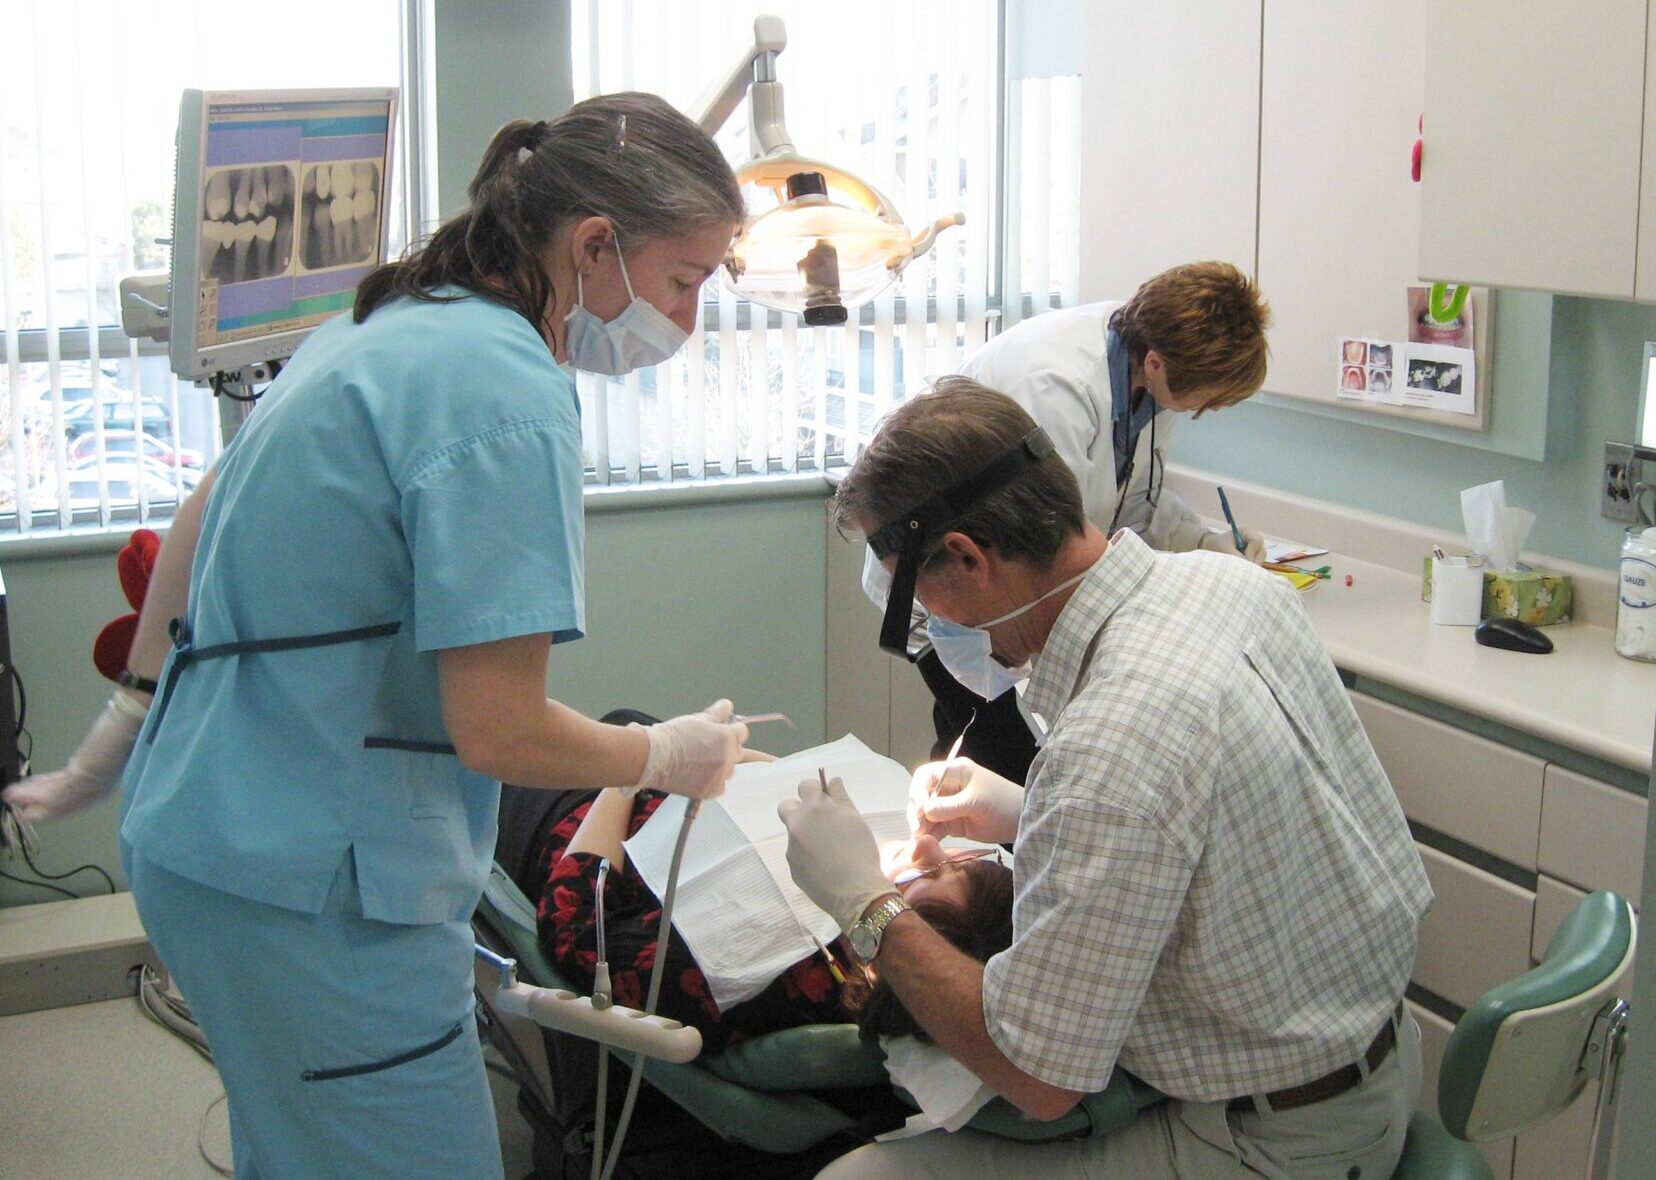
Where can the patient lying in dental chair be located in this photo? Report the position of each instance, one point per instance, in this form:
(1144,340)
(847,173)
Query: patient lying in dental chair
(551,844)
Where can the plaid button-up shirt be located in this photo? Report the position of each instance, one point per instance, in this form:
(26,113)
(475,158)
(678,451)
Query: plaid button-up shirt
(1215,885)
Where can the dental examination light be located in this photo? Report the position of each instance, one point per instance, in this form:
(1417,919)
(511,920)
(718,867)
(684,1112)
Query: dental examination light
(818,239)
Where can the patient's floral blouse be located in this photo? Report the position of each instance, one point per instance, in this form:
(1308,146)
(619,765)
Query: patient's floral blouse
(567,923)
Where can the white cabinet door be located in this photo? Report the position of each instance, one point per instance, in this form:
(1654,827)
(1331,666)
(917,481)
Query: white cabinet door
(1170,131)
(1534,123)
(1646,276)
(1477,933)
(1478,791)
(1338,213)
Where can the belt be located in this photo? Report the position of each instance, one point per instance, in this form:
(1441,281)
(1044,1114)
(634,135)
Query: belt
(1332,1085)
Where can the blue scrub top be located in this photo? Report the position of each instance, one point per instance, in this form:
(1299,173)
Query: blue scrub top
(423,468)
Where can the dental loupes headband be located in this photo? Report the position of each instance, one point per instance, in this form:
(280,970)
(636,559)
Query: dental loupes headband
(906,535)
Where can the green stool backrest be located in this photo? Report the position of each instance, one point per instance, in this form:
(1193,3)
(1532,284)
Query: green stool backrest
(1515,1058)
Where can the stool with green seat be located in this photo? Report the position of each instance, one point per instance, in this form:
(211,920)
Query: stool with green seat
(1528,1047)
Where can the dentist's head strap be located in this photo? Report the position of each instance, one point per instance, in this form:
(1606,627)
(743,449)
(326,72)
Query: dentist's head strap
(1002,485)
(598,227)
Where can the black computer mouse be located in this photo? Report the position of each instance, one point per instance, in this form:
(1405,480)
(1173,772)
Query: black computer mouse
(1513,635)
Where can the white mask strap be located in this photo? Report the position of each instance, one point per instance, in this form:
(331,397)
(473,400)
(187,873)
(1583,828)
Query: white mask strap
(1012,614)
(624,278)
(580,298)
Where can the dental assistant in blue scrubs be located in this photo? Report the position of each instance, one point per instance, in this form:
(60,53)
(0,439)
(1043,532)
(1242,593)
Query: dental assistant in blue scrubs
(375,573)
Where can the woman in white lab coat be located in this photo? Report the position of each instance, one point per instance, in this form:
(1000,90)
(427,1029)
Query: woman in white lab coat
(1107,382)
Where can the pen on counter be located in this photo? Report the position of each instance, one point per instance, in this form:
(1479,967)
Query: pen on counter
(1283,567)
(833,967)
(1230,519)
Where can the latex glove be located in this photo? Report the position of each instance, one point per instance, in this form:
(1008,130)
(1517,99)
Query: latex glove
(694,754)
(1223,542)
(93,770)
(832,853)
(961,798)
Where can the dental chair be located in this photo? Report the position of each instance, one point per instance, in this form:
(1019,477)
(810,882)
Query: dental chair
(785,1103)
(1528,1047)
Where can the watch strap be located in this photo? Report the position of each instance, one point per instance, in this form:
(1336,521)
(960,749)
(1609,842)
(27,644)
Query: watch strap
(130,679)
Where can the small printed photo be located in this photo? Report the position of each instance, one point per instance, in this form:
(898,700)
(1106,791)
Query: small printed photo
(1380,356)
(1379,380)
(339,214)
(1435,377)
(247,216)
(1352,377)
(1423,329)
(1356,352)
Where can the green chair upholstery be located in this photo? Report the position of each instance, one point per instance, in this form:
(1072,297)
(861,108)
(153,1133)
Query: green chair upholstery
(756,1092)
(1527,1048)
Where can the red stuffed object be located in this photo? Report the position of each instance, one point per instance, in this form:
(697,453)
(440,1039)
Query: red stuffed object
(134,564)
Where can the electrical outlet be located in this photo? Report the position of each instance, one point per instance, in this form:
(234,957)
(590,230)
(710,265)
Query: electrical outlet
(1626,467)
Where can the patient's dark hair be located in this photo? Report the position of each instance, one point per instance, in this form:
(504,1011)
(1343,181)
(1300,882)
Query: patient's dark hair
(980,928)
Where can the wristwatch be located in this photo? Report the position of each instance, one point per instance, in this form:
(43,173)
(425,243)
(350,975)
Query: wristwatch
(866,932)
(130,679)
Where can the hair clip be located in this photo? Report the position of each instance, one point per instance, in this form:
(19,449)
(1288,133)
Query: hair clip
(524,155)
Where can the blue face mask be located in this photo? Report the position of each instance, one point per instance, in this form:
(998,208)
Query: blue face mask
(639,337)
(968,652)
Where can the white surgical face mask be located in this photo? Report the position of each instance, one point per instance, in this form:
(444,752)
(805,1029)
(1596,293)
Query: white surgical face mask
(639,337)
(968,652)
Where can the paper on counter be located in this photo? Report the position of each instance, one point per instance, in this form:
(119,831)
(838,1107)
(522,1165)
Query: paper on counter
(1281,551)
(738,909)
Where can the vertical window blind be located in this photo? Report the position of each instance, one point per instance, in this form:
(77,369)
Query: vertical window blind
(911,97)
(94,429)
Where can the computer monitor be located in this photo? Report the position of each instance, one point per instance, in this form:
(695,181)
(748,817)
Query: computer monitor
(279,211)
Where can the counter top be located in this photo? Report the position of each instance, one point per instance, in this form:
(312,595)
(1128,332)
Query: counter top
(1582,695)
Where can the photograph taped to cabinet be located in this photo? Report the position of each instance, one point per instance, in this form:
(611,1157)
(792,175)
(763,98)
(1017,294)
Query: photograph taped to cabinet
(1373,373)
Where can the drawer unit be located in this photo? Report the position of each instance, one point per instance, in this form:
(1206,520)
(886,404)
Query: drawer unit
(1592,834)
(1462,785)
(1476,934)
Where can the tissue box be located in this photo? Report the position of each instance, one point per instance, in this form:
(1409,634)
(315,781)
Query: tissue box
(1537,596)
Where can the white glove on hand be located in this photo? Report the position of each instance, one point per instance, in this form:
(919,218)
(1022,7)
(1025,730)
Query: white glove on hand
(961,798)
(832,853)
(694,754)
(1223,542)
(93,769)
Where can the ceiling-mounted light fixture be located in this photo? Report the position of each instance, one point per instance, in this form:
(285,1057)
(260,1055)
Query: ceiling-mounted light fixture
(821,240)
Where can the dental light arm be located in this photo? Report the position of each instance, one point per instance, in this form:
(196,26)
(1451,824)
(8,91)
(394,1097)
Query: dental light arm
(756,68)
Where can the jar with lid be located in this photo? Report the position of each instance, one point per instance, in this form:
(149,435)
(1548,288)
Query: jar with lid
(1636,597)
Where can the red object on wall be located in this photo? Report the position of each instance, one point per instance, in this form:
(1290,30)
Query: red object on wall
(1414,156)
(133,566)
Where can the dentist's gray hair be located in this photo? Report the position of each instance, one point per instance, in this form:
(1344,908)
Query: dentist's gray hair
(630,158)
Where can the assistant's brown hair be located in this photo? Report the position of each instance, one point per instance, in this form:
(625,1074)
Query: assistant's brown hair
(628,157)
(943,436)
(1207,320)
(981,928)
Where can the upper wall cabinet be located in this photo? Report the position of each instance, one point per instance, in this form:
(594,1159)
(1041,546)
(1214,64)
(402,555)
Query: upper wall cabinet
(1535,116)
(1170,114)
(1341,94)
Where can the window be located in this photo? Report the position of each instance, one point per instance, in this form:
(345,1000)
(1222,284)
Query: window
(912,97)
(93,427)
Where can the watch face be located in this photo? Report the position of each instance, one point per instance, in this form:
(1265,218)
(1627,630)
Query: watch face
(864,941)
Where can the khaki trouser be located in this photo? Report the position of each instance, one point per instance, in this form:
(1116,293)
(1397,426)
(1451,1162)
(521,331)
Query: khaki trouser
(1356,1136)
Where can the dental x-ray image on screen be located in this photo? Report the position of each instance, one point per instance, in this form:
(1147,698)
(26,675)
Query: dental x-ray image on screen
(340,208)
(247,223)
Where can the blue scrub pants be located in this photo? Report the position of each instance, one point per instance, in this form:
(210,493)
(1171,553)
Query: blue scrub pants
(347,1046)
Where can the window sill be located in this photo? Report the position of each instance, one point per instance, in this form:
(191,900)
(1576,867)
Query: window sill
(40,544)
